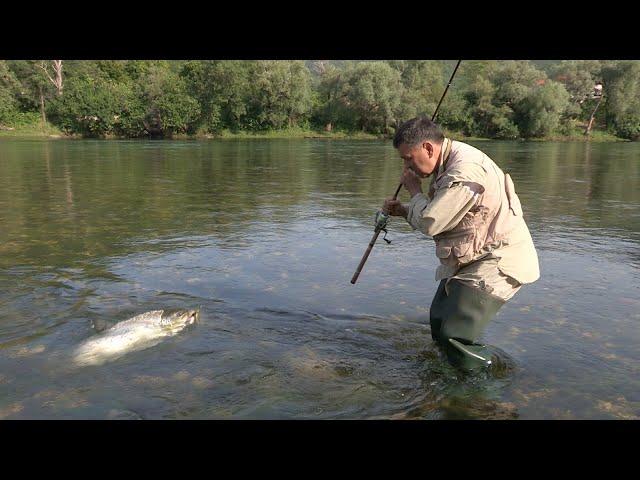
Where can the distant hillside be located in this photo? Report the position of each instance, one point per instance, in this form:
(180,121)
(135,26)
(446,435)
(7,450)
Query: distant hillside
(544,65)
(315,66)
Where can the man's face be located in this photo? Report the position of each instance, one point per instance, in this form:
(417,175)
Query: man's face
(421,158)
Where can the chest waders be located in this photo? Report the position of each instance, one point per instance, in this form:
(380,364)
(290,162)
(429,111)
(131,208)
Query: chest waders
(457,320)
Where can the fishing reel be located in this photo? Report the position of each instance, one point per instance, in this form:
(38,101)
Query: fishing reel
(381,220)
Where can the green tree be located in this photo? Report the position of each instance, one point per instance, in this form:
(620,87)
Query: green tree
(539,113)
(35,88)
(579,78)
(622,93)
(423,84)
(329,107)
(487,119)
(114,70)
(455,113)
(514,81)
(371,92)
(222,89)
(9,88)
(512,99)
(470,70)
(280,94)
(91,106)
(169,107)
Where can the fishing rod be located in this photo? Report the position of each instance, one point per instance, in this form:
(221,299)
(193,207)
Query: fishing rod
(382,218)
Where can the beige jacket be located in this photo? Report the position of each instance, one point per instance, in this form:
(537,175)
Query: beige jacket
(473,213)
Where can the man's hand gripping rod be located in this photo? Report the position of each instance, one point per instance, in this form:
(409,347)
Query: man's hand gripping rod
(381,217)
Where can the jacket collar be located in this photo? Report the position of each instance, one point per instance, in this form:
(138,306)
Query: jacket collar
(444,157)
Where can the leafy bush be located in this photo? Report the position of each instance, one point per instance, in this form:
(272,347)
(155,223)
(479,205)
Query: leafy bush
(538,114)
(8,107)
(370,95)
(89,106)
(280,94)
(167,106)
(628,126)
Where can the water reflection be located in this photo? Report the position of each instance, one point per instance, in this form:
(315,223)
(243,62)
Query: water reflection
(264,235)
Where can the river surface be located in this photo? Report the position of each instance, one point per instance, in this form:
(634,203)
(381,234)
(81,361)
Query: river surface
(264,236)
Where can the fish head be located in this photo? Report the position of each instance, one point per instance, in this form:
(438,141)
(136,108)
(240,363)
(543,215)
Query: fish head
(178,319)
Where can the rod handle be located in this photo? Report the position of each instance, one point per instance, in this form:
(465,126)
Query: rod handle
(354,279)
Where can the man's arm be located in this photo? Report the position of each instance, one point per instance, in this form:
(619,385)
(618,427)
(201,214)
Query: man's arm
(449,205)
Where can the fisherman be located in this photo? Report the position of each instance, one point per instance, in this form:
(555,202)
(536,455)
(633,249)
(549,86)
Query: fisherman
(474,215)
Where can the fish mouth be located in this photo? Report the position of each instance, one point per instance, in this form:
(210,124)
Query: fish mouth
(194,317)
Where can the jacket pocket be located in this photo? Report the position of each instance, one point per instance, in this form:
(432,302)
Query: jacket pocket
(514,201)
(455,253)
(457,243)
(463,252)
(462,249)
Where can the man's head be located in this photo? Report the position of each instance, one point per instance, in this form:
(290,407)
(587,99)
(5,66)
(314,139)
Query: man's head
(419,142)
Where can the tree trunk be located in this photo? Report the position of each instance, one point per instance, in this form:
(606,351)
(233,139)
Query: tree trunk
(44,117)
(57,67)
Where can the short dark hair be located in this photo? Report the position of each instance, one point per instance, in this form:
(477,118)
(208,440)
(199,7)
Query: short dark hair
(417,130)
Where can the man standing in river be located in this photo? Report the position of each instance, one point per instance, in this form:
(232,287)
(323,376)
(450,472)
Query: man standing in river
(474,215)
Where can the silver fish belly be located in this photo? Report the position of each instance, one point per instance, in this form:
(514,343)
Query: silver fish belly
(137,333)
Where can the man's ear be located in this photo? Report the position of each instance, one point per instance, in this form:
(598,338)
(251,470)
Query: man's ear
(428,147)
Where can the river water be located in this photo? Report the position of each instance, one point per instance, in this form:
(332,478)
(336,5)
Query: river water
(264,236)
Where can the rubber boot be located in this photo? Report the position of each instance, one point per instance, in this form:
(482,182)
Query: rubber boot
(458,318)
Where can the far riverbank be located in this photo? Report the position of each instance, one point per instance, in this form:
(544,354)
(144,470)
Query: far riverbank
(51,132)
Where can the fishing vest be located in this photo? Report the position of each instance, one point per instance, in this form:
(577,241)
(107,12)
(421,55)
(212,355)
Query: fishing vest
(495,223)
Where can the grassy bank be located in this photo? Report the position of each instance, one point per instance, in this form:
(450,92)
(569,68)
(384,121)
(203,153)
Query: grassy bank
(574,136)
(37,130)
(32,130)
(290,133)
